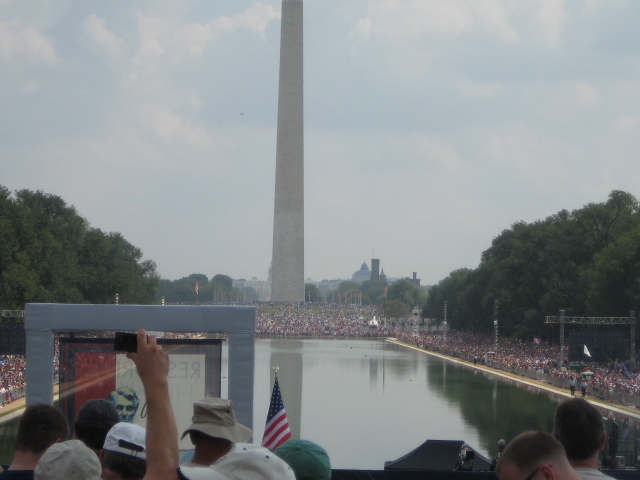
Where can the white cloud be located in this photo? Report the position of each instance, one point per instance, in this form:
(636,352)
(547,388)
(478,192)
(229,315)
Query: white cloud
(152,31)
(475,89)
(405,19)
(551,18)
(586,95)
(255,18)
(493,17)
(362,31)
(98,32)
(160,36)
(18,39)
(410,18)
(172,128)
(569,100)
(528,161)
(628,126)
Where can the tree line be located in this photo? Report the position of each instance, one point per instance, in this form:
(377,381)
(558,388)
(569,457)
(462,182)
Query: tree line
(394,300)
(49,253)
(586,262)
(219,289)
(402,296)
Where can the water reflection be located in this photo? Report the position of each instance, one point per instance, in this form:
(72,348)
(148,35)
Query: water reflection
(287,356)
(493,408)
(369,401)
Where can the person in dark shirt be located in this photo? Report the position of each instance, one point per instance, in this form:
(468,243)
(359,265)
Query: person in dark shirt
(40,427)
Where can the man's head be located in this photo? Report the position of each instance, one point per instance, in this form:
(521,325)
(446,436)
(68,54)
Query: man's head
(40,427)
(308,460)
(70,460)
(95,418)
(125,399)
(124,456)
(532,456)
(214,430)
(580,428)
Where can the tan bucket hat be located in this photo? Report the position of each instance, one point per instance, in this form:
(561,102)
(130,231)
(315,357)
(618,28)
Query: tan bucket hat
(215,417)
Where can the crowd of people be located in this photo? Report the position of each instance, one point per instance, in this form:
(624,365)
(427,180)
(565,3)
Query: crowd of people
(602,379)
(313,320)
(12,378)
(330,320)
(287,319)
(106,448)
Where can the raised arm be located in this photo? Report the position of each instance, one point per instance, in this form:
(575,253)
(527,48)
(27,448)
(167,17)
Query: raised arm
(162,433)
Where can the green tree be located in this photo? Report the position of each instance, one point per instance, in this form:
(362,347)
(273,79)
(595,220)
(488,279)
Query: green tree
(348,291)
(372,291)
(111,266)
(224,281)
(603,223)
(614,281)
(53,252)
(450,290)
(406,292)
(312,293)
(396,309)
(219,289)
(48,253)
(222,288)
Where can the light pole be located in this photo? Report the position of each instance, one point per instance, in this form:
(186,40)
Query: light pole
(495,326)
(445,321)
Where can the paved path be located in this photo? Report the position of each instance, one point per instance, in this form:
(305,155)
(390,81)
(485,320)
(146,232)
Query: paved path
(563,392)
(15,408)
(12,410)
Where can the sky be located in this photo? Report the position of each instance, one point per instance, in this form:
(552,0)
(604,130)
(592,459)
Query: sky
(431,126)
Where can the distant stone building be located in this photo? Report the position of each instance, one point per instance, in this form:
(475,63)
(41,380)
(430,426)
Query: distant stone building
(383,277)
(361,275)
(415,281)
(375,268)
(328,286)
(256,290)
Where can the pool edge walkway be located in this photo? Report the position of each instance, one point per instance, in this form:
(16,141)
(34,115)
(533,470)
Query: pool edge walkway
(620,409)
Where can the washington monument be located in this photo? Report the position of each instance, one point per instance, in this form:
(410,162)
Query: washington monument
(287,264)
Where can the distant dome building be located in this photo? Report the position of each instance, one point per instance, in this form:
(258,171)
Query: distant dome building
(361,275)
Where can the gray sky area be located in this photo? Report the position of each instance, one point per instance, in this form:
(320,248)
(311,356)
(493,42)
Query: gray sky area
(431,125)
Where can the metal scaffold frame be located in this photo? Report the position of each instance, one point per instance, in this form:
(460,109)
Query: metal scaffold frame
(563,320)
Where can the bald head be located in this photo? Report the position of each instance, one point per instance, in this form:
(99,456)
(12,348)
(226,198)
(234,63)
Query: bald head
(532,453)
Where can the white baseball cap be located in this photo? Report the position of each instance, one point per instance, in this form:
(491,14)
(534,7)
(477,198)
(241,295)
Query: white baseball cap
(127,438)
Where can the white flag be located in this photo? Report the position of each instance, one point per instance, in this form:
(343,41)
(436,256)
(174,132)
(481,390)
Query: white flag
(586,351)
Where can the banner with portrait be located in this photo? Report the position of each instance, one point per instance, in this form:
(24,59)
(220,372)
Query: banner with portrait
(90,368)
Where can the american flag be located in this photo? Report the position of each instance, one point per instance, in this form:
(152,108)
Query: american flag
(276,431)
